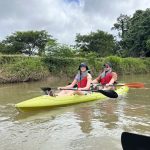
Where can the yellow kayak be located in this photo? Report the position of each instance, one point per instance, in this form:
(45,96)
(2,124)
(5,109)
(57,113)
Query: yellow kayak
(45,101)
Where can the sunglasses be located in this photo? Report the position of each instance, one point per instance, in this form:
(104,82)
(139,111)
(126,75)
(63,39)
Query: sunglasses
(106,66)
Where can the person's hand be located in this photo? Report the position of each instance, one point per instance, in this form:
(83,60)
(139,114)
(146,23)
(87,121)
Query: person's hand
(108,84)
(94,85)
(79,89)
(59,88)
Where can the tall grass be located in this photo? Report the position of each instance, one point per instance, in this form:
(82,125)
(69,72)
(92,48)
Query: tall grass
(21,68)
(69,66)
(18,68)
(129,65)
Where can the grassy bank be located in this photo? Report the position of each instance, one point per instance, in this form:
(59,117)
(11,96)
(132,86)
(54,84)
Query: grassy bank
(20,68)
(69,66)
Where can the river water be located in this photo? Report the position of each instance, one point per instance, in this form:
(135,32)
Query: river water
(94,125)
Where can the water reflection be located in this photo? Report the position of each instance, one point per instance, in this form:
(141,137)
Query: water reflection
(104,112)
(108,115)
(48,114)
(85,116)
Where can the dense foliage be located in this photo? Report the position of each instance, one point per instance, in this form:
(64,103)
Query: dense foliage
(29,42)
(69,66)
(20,69)
(135,31)
(58,50)
(121,25)
(100,42)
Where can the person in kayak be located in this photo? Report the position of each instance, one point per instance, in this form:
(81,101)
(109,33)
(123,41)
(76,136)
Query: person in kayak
(106,79)
(83,80)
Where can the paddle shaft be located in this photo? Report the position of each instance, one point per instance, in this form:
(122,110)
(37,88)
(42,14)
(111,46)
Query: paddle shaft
(72,89)
(131,85)
(108,93)
(79,90)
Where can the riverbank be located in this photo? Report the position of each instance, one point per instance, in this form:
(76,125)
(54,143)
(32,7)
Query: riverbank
(68,66)
(21,69)
(16,68)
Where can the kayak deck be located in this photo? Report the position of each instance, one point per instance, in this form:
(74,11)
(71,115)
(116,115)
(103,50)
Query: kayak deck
(49,101)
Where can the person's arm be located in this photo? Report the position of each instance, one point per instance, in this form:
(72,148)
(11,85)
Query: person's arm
(69,86)
(95,81)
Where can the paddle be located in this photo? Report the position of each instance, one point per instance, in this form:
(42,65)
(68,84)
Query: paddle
(108,93)
(131,141)
(132,85)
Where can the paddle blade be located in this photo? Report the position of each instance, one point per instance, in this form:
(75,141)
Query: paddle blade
(132,141)
(109,93)
(46,90)
(135,85)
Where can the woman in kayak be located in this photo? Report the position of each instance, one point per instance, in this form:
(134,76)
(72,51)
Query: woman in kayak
(83,80)
(106,78)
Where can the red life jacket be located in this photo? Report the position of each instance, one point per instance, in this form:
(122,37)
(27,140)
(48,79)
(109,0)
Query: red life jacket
(82,83)
(106,79)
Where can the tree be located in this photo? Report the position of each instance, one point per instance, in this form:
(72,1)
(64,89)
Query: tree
(2,47)
(136,39)
(99,42)
(60,50)
(29,42)
(122,25)
(147,53)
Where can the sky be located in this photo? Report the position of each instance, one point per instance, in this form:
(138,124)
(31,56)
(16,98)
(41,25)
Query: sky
(63,19)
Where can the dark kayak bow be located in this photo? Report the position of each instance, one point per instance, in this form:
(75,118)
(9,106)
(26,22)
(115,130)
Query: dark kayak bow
(131,141)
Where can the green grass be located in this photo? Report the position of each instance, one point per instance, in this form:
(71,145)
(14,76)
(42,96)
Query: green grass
(18,68)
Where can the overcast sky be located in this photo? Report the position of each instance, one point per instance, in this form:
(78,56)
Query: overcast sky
(64,18)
